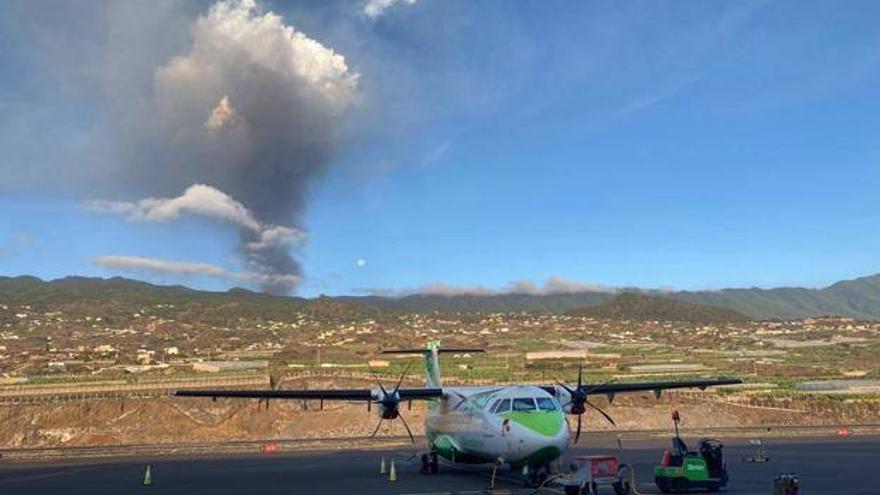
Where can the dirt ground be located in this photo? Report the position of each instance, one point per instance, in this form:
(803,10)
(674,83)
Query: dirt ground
(192,420)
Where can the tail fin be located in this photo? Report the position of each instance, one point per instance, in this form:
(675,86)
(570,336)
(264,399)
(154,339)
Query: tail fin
(432,363)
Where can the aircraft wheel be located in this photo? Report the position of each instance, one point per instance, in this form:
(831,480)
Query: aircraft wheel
(663,484)
(434,464)
(540,478)
(572,490)
(680,485)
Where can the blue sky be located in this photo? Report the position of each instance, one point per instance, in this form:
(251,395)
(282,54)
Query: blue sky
(658,144)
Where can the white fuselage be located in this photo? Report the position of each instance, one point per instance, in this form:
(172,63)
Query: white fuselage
(522,425)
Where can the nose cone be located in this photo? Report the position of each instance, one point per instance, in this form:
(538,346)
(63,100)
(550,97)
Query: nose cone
(545,435)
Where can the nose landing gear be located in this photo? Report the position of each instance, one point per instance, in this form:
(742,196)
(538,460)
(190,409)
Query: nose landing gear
(430,464)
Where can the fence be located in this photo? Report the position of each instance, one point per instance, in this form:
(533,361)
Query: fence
(121,389)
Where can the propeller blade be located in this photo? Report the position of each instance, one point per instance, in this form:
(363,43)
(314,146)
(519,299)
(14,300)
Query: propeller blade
(411,437)
(564,386)
(580,375)
(603,413)
(377,428)
(376,377)
(577,435)
(399,382)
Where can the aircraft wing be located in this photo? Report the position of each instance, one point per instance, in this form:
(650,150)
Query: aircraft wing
(656,387)
(362,394)
(611,389)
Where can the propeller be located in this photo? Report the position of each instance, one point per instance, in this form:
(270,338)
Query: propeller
(579,402)
(390,403)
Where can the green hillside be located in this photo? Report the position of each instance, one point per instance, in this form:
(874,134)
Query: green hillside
(119,298)
(642,307)
(859,298)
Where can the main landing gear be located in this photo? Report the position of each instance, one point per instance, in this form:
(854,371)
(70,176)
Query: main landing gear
(537,477)
(430,464)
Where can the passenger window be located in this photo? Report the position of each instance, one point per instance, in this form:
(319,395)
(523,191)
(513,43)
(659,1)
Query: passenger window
(503,406)
(524,404)
(546,404)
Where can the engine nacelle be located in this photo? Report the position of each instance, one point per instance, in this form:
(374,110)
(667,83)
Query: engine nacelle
(388,404)
(386,413)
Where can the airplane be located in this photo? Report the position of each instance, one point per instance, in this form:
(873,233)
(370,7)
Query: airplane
(522,426)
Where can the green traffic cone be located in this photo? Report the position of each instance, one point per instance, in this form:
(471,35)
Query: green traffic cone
(382,466)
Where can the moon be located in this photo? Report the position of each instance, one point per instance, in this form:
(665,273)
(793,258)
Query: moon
(360,262)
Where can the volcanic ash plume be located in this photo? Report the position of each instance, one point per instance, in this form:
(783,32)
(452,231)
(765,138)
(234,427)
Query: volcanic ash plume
(251,111)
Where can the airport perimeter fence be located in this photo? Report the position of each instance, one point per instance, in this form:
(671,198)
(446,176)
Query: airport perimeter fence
(122,389)
(164,387)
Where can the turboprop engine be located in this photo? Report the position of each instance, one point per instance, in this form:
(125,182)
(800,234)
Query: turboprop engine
(389,404)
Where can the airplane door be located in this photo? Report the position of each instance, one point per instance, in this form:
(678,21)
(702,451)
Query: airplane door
(511,446)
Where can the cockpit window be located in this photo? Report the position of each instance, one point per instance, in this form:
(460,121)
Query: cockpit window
(502,406)
(494,405)
(546,404)
(524,404)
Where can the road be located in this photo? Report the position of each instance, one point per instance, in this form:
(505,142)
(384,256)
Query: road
(827,465)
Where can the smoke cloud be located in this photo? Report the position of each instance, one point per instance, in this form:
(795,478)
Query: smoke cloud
(263,244)
(551,286)
(244,122)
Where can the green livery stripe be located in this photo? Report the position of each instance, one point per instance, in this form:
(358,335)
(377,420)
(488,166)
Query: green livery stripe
(547,423)
(539,457)
(444,446)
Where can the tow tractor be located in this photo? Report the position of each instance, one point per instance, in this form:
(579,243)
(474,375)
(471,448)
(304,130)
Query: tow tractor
(589,473)
(682,470)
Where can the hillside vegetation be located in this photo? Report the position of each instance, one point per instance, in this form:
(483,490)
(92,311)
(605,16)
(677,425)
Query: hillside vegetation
(119,298)
(641,307)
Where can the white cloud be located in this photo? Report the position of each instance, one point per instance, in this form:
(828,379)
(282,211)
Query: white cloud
(139,264)
(375,8)
(134,263)
(234,35)
(198,199)
(264,243)
(202,200)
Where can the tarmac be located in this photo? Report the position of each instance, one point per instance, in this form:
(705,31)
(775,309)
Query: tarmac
(849,465)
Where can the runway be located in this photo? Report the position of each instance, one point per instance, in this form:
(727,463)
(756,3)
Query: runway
(826,465)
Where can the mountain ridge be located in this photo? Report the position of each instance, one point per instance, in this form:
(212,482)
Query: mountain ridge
(857,298)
